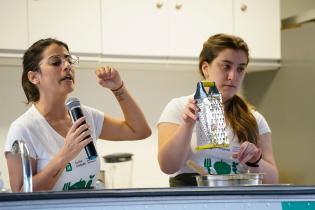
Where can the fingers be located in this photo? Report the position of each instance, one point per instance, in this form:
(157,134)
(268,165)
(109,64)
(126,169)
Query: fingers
(85,142)
(248,153)
(82,132)
(77,138)
(190,110)
(106,72)
(79,130)
(81,140)
(243,148)
(247,158)
(108,77)
(76,124)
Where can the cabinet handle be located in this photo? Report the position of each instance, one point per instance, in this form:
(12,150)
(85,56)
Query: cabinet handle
(243,7)
(178,5)
(159,4)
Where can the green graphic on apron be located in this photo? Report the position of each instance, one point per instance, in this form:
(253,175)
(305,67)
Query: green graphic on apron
(82,184)
(234,167)
(222,167)
(207,164)
(69,167)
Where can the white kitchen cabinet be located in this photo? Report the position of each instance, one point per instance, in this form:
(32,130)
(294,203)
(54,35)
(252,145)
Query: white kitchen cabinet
(13,24)
(258,23)
(134,28)
(143,31)
(192,24)
(167,28)
(178,28)
(76,22)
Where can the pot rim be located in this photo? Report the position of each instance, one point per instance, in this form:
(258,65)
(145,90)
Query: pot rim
(223,177)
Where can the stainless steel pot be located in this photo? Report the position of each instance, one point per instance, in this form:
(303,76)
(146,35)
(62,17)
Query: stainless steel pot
(230,180)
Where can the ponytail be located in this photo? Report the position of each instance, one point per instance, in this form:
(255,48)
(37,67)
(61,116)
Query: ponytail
(238,114)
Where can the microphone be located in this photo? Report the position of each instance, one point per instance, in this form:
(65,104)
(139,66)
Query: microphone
(74,108)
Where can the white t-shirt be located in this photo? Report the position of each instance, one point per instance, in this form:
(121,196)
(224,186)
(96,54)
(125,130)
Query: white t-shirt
(215,161)
(44,142)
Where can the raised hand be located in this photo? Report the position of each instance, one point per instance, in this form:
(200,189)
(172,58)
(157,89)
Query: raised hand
(109,77)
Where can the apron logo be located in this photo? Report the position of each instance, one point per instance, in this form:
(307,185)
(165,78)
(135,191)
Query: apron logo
(220,167)
(81,184)
(69,167)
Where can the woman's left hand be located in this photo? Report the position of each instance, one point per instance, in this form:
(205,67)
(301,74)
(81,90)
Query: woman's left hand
(248,153)
(108,77)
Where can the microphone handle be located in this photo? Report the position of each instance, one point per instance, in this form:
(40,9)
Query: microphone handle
(90,150)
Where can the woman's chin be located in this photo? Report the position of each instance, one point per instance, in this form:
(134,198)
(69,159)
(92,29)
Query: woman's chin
(226,98)
(69,89)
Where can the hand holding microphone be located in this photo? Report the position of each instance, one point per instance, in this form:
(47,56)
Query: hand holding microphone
(74,108)
(76,139)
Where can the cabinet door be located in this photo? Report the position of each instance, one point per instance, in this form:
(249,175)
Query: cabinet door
(13,24)
(258,23)
(134,28)
(192,22)
(76,22)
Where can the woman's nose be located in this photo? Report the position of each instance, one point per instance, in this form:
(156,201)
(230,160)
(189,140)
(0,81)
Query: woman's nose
(232,74)
(67,68)
(66,65)
(66,62)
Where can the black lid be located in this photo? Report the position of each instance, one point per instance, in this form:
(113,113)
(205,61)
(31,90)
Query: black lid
(117,157)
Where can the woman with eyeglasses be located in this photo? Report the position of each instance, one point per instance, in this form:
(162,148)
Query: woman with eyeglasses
(56,145)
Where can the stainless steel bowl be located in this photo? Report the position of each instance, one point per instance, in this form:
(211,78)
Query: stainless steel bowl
(230,180)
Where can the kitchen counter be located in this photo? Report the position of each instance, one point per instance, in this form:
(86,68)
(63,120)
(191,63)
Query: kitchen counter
(260,197)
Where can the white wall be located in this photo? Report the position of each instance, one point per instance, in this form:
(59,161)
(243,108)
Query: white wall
(286,98)
(152,89)
(293,7)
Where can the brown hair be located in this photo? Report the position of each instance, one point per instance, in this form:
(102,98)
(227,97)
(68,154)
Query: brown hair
(237,110)
(31,59)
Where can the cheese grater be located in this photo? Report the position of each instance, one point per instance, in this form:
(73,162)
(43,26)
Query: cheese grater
(210,126)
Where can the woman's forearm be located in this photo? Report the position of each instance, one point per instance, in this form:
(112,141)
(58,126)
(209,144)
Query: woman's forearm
(47,178)
(134,117)
(269,170)
(174,149)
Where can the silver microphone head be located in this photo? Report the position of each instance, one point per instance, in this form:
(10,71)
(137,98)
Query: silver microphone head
(72,102)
